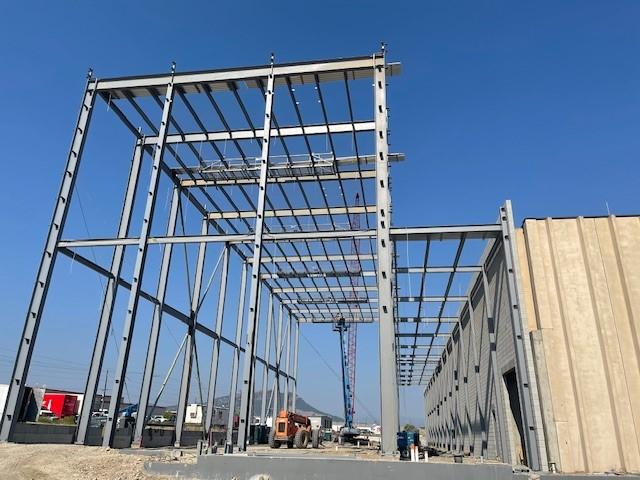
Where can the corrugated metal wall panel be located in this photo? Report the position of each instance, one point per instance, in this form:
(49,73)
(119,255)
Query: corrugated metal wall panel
(581,279)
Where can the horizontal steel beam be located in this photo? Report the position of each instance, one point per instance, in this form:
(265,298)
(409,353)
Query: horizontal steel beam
(460,269)
(427,319)
(418,335)
(259,133)
(321,274)
(236,238)
(332,320)
(329,301)
(453,232)
(345,288)
(318,258)
(396,233)
(355,310)
(354,175)
(217,80)
(433,299)
(295,212)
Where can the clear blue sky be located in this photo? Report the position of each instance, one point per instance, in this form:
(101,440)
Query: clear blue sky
(537,102)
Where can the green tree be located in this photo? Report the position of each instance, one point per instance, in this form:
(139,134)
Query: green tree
(408,427)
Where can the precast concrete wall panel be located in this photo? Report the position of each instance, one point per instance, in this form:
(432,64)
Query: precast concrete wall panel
(581,279)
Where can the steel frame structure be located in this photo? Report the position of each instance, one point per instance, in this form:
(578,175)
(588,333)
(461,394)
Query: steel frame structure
(301,264)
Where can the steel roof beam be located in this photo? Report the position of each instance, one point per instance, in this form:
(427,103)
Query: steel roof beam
(218,80)
(355,175)
(249,134)
(296,212)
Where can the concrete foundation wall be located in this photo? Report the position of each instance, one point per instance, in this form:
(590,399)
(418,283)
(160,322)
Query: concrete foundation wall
(581,279)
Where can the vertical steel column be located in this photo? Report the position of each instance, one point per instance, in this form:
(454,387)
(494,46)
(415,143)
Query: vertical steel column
(109,297)
(287,366)
(215,355)
(236,356)
(476,369)
(47,262)
(522,371)
(276,381)
(138,272)
(156,323)
(190,346)
(295,368)
(388,381)
(497,379)
(465,380)
(457,425)
(267,356)
(248,371)
(256,335)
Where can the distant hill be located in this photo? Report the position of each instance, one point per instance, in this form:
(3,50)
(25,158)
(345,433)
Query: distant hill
(302,406)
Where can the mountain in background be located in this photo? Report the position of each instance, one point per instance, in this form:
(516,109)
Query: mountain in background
(302,407)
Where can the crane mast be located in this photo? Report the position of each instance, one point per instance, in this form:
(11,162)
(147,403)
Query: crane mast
(348,339)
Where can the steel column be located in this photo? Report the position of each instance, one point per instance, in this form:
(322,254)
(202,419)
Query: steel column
(190,346)
(295,368)
(267,354)
(248,371)
(388,381)
(285,402)
(138,272)
(522,371)
(476,369)
(236,357)
(276,382)
(156,323)
(47,262)
(106,312)
(215,354)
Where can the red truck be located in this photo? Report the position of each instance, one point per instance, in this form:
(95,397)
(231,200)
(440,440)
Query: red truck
(60,404)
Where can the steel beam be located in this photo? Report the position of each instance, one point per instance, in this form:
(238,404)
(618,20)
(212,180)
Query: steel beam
(310,289)
(248,371)
(338,176)
(427,319)
(295,212)
(215,354)
(38,296)
(299,73)
(138,272)
(236,359)
(234,238)
(418,233)
(319,258)
(221,136)
(454,232)
(156,323)
(190,346)
(106,311)
(522,371)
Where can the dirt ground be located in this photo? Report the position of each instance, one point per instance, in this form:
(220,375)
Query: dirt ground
(74,462)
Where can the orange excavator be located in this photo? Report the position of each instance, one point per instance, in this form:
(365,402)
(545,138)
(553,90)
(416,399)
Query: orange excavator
(294,430)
